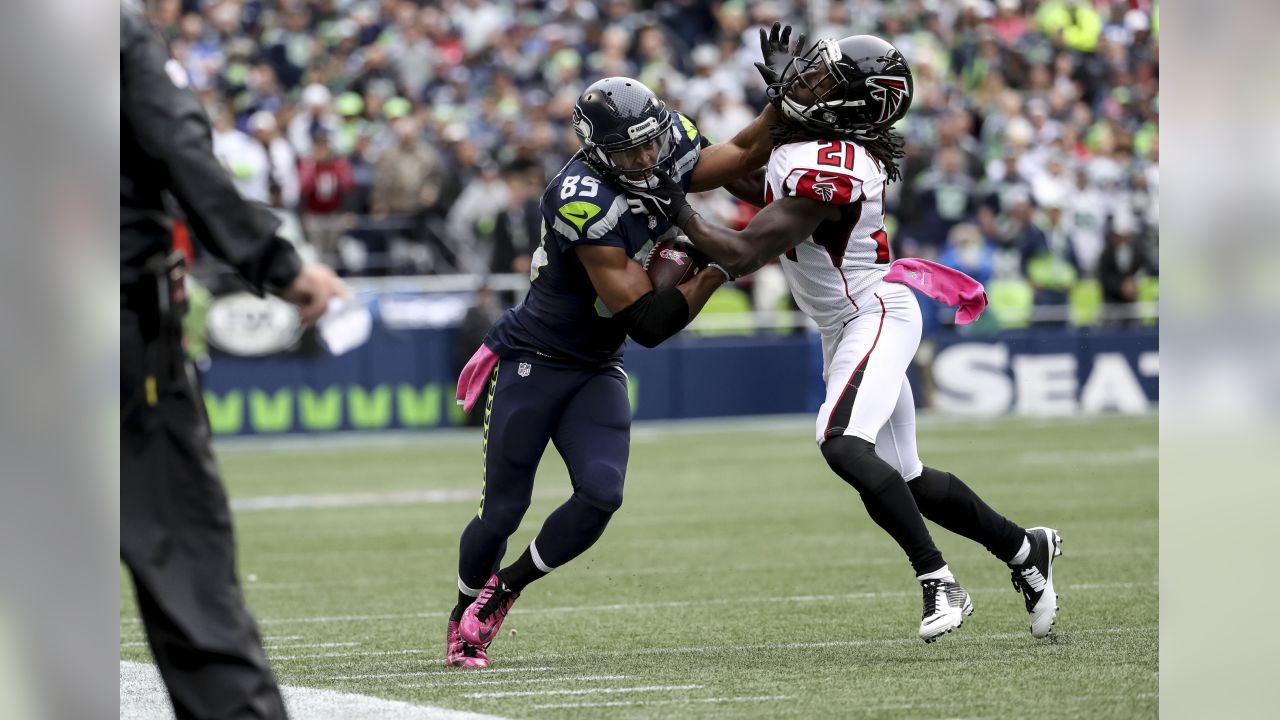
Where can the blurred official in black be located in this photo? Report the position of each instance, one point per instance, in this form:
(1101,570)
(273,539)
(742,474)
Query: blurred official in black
(175,525)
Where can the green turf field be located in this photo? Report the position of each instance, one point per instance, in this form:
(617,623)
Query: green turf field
(740,579)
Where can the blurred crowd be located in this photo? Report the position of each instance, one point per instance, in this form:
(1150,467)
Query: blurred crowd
(415,137)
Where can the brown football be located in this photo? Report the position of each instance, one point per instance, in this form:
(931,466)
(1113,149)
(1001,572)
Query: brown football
(670,262)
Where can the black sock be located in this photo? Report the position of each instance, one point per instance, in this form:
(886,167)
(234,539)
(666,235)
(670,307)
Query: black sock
(894,510)
(569,531)
(521,572)
(885,494)
(464,601)
(947,501)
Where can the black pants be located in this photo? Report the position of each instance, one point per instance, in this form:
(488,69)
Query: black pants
(176,540)
(585,413)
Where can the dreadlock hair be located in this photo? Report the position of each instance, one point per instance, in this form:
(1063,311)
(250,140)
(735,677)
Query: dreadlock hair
(886,145)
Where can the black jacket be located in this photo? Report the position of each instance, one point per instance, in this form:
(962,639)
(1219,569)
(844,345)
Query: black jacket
(166,146)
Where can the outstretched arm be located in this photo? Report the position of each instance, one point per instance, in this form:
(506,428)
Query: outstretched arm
(724,162)
(749,189)
(780,226)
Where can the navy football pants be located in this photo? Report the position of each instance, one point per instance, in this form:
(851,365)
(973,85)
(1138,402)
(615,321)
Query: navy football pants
(586,414)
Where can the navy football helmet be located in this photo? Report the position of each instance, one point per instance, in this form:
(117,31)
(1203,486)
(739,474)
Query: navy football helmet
(624,128)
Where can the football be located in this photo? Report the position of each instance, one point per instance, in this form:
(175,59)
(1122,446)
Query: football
(670,262)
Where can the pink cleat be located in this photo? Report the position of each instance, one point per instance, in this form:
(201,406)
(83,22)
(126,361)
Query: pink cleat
(480,623)
(460,653)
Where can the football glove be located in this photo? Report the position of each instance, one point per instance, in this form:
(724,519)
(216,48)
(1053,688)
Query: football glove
(775,48)
(666,199)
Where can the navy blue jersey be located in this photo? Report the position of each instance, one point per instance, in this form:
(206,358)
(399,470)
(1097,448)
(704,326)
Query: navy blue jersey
(563,318)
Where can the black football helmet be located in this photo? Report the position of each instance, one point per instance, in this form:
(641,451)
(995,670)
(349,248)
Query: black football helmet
(858,84)
(624,128)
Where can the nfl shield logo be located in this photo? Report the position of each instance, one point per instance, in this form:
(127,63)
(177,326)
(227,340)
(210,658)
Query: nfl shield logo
(524,369)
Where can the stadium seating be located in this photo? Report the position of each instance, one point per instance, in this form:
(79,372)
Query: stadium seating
(1086,303)
(1011,302)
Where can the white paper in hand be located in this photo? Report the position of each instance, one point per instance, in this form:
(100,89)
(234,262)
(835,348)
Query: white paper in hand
(346,325)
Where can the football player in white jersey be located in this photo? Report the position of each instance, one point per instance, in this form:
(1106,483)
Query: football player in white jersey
(824,207)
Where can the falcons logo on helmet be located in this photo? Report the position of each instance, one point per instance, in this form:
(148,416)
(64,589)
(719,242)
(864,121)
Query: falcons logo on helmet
(891,92)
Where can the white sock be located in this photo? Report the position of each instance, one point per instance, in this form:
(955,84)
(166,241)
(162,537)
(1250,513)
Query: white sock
(942,573)
(1023,552)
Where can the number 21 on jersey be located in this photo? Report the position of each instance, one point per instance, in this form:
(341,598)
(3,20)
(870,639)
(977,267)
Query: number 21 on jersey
(837,154)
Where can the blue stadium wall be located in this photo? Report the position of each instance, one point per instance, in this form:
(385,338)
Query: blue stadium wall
(405,379)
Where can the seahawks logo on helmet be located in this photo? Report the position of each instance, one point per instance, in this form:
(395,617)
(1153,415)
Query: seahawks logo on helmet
(582,126)
(891,92)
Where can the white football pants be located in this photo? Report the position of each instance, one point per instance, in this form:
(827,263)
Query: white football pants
(865,370)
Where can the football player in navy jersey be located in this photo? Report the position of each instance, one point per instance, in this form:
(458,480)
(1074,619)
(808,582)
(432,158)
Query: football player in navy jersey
(559,377)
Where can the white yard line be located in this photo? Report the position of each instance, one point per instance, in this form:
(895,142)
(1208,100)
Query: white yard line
(699,649)
(553,656)
(269,640)
(312,645)
(646,703)
(367,653)
(373,498)
(142,697)
(472,679)
(643,431)
(642,606)
(677,604)
(359,499)
(613,571)
(432,673)
(579,691)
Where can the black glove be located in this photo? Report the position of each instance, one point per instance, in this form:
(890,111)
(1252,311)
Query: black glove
(667,200)
(775,47)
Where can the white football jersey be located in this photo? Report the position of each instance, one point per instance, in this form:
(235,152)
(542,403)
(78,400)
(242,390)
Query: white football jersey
(844,257)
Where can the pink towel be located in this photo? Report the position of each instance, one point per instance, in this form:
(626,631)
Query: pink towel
(943,284)
(474,376)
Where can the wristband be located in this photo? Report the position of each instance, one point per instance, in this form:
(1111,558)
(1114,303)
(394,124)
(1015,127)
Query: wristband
(684,215)
(728,276)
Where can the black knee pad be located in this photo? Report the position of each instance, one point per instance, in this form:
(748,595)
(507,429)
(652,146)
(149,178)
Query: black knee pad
(601,487)
(856,462)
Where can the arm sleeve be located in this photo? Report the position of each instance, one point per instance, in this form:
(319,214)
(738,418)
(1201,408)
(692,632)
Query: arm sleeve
(655,316)
(170,127)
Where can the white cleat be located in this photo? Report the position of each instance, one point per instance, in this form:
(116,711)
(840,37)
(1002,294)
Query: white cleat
(1034,579)
(945,606)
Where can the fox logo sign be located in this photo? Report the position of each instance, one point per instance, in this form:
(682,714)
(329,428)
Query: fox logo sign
(890,91)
